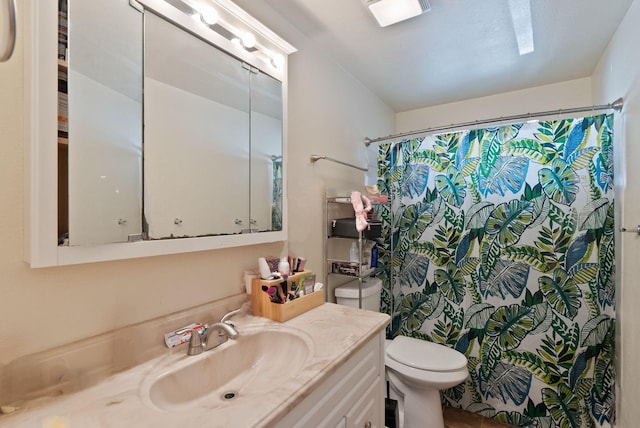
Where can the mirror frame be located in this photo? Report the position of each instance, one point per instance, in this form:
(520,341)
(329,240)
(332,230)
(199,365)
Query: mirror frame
(40,144)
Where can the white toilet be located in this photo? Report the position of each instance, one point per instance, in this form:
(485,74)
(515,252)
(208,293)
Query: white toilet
(416,369)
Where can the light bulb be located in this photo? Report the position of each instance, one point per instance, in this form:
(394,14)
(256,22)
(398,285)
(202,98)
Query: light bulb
(277,60)
(209,16)
(248,40)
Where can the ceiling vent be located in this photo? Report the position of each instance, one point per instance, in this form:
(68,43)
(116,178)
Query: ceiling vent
(388,12)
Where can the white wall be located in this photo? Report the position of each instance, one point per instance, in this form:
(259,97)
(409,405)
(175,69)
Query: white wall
(330,112)
(618,75)
(572,93)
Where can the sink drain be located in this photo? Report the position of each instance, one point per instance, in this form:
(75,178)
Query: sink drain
(229,395)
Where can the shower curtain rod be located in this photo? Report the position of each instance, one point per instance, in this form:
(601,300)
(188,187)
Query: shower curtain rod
(316,158)
(616,105)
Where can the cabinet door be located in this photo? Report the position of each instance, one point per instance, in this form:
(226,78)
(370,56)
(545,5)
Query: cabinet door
(105,122)
(367,412)
(336,402)
(266,153)
(196,135)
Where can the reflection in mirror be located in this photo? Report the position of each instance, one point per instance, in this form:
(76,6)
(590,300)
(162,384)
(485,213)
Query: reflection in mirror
(266,153)
(105,126)
(197,153)
(196,135)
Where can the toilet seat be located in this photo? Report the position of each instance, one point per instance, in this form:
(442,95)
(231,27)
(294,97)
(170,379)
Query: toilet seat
(423,355)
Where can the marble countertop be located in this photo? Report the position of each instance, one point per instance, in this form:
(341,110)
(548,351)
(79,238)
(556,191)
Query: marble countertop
(336,332)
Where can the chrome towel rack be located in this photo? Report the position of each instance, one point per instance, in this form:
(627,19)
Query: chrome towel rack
(316,158)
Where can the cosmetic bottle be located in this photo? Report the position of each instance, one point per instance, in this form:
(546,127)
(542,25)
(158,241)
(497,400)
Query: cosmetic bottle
(283,266)
(265,272)
(374,256)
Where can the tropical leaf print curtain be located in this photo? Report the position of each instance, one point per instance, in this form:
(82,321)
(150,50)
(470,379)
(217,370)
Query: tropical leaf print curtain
(500,244)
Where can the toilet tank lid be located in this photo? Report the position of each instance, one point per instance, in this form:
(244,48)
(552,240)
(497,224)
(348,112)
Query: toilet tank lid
(370,286)
(424,355)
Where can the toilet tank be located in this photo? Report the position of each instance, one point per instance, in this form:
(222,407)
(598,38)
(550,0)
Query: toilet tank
(347,294)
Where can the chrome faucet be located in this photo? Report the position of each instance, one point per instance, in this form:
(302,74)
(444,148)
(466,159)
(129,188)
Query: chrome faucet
(200,343)
(228,315)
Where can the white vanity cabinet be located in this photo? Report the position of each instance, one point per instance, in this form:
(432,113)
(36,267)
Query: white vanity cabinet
(352,396)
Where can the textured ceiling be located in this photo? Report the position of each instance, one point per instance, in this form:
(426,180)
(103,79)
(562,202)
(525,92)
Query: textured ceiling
(461,49)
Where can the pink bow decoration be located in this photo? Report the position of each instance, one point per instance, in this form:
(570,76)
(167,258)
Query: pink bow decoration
(361,210)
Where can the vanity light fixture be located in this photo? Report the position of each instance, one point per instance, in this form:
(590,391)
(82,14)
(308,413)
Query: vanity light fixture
(228,21)
(388,12)
(209,16)
(273,58)
(277,60)
(248,40)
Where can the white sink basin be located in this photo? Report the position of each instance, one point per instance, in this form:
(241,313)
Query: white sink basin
(257,362)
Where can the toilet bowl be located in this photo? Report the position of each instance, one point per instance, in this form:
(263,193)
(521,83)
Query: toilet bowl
(417,370)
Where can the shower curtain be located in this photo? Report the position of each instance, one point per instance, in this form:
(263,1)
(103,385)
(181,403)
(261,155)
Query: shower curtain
(500,244)
(276,195)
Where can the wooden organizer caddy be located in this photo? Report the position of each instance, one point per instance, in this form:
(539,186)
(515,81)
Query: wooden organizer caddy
(263,307)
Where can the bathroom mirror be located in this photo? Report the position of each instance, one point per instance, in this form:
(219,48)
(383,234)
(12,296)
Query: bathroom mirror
(266,153)
(198,152)
(104,158)
(104,81)
(197,125)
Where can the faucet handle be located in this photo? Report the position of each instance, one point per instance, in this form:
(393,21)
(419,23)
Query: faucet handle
(196,344)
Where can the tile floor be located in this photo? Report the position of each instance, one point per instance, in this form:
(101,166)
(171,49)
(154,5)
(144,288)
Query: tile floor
(458,418)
